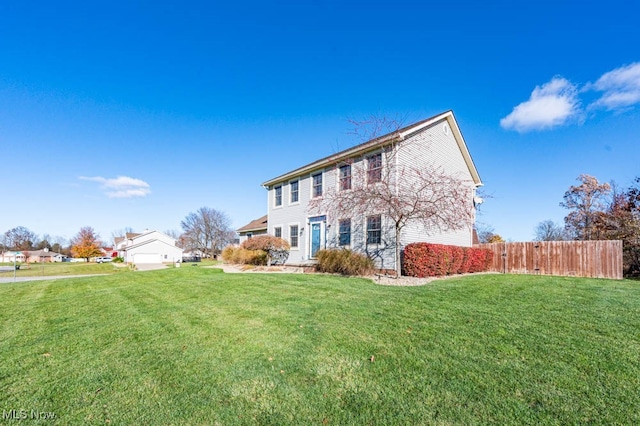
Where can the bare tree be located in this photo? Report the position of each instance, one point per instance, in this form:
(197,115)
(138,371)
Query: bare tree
(420,193)
(207,230)
(19,238)
(548,230)
(121,232)
(587,203)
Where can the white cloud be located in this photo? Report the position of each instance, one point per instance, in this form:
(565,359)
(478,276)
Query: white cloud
(621,88)
(550,105)
(122,186)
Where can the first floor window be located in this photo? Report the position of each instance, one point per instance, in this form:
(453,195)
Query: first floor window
(344,229)
(278,195)
(374,229)
(293,236)
(277,231)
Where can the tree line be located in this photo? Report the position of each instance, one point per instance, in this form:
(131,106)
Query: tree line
(206,231)
(600,211)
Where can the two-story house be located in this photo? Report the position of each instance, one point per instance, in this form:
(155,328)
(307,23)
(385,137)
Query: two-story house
(295,198)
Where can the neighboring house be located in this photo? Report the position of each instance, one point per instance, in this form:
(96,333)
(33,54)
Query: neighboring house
(44,256)
(148,247)
(32,256)
(436,140)
(13,257)
(253,228)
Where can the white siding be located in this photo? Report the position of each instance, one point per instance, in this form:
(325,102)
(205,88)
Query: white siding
(436,147)
(432,146)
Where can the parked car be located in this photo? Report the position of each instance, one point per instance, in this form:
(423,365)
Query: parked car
(103,259)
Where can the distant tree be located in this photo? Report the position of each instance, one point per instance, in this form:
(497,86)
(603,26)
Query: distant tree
(207,230)
(586,203)
(45,243)
(485,232)
(496,238)
(19,238)
(121,232)
(86,243)
(621,221)
(60,245)
(548,230)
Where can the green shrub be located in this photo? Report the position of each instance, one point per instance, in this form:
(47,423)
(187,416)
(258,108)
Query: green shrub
(344,262)
(118,259)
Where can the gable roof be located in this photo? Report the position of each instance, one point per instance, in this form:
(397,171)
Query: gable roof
(383,140)
(255,225)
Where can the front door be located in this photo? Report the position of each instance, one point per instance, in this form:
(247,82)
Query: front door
(316,238)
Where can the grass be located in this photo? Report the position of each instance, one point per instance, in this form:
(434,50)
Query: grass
(60,269)
(196,346)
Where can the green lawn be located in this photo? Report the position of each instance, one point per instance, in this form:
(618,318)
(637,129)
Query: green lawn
(60,269)
(196,346)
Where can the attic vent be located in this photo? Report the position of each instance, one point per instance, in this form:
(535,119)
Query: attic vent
(445,128)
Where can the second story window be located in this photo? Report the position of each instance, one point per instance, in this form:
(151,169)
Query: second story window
(293,187)
(374,168)
(345,177)
(277,231)
(316,182)
(278,196)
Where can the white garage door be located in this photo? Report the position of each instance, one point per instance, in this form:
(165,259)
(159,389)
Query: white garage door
(146,258)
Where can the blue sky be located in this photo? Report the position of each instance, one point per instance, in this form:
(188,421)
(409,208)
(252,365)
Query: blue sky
(133,114)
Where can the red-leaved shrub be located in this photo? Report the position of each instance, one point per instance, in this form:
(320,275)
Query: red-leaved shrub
(429,260)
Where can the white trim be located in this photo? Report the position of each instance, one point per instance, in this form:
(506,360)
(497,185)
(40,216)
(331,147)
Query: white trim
(294,203)
(311,175)
(281,186)
(289,225)
(281,230)
(323,236)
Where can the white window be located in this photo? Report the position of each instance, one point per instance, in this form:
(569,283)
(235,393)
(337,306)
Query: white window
(278,195)
(293,190)
(344,231)
(345,177)
(316,182)
(293,236)
(277,231)
(374,229)
(374,168)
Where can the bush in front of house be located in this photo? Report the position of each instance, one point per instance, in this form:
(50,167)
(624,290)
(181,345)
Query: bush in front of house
(344,262)
(118,259)
(276,248)
(431,260)
(243,256)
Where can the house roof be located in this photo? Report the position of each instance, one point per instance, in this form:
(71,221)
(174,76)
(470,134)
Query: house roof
(255,225)
(383,140)
(43,253)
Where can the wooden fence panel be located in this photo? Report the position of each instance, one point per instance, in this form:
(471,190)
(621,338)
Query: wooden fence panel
(595,259)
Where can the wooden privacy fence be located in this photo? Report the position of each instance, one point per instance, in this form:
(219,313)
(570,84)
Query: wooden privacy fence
(595,259)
